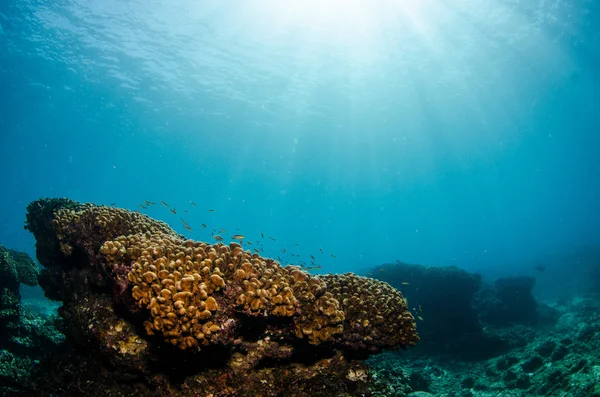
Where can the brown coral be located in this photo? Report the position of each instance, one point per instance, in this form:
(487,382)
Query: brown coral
(377,314)
(247,320)
(89,226)
(181,283)
(194,292)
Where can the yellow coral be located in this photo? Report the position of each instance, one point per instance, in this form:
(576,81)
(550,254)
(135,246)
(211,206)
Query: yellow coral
(192,289)
(376,314)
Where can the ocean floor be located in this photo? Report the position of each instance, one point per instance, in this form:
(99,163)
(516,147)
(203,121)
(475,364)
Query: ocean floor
(562,360)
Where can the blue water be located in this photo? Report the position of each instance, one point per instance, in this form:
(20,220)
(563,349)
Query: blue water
(455,132)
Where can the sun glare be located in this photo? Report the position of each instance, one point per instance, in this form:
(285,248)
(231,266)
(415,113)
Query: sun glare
(340,22)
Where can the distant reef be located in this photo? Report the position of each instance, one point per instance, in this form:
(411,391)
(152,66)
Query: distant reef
(480,340)
(460,317)
(147,312)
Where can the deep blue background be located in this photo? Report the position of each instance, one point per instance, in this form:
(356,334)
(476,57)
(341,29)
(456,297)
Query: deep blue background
(462,133)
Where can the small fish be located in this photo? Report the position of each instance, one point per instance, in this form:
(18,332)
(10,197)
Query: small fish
(333,256)
(420,309)
(312,257)
(204,226)
(297,245)
(223,230)
(192,203)
(279,258)
(148,202)
(256,251)
(382,270)
(283,250)
(185,211)
(164,204)
(237,237)
(142,206)
(249,242)
(318,267)
(211,210)
(185,224)
(405,283)
(420,318)
(112,204)
(262,235)
(321,249)
(218,238)
(540,268)
(173,211)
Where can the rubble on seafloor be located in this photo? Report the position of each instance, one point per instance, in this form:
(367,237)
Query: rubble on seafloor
(147,312)
(519,347)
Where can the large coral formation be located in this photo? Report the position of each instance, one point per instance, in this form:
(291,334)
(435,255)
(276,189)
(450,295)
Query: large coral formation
(130,283)
(15,268)
(511,301)
(442,297)
(376,315)
(191,289)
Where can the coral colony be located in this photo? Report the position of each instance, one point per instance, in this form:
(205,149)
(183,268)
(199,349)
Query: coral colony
(223,320)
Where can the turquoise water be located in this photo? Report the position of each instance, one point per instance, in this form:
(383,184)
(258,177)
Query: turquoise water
(449,133)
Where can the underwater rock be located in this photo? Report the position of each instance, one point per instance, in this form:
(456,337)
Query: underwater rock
(388,377)
(15,268)
(515,293)
(546,348)
(151,312)
(420,394)
(26,337)
(441,298)
(532,363)
(511,301)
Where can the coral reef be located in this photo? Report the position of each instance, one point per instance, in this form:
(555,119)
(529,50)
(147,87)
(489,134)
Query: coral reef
(163,315)
(510,301)
(441,297)
(25,336)
(15,268)
(376,315)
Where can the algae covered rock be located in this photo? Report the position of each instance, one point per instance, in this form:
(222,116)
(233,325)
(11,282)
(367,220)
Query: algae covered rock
(15,268)
(441,297)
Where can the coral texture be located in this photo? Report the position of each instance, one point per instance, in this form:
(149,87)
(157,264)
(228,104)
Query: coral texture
(15,268)
(132,287)
(18,267)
